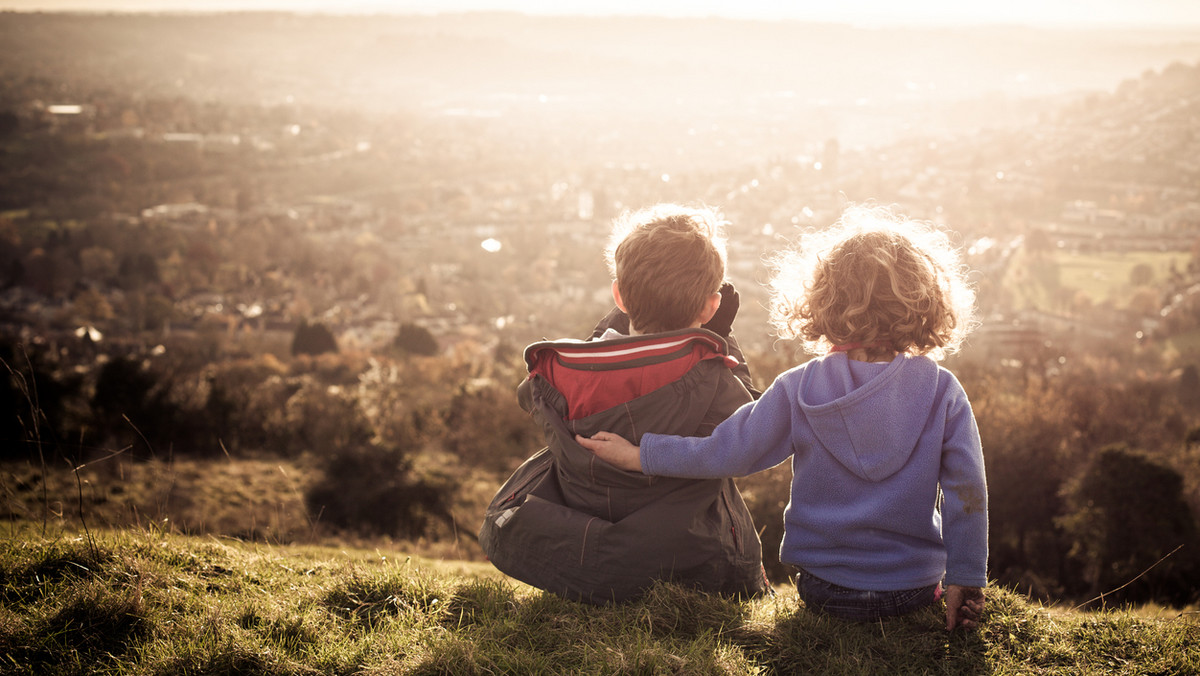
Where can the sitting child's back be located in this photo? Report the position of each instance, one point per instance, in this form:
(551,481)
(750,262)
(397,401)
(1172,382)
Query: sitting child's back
(589,531)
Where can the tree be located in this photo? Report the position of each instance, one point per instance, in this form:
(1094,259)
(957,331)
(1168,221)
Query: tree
(131,406)
(1038,243)
(98,264)
(1126,514)
(415,339)
(90,305)
(9,123)
(1189,387)
(1141,274)
(313,339)
(1192,438)
(1021,433)
(37,404)
(136,270)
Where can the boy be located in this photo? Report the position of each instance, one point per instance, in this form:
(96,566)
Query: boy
(571,526)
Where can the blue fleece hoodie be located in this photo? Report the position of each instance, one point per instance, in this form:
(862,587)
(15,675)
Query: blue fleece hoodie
(888,486)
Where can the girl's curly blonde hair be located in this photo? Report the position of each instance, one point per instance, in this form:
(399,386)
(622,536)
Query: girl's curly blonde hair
(874,279)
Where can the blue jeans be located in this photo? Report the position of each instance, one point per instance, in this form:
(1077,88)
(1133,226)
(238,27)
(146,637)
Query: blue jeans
(860,605)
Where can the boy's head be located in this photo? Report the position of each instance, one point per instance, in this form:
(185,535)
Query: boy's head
(668,262)
(874,279)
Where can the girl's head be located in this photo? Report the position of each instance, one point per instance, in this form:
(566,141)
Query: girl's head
(877,280)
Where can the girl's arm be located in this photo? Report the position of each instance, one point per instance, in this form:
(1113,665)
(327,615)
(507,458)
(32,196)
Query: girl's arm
(756,437)
(965,501)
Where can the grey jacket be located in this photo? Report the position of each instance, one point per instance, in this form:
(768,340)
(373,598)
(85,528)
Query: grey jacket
(570,523)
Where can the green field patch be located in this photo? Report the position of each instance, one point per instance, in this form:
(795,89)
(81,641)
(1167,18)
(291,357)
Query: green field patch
(1105,276)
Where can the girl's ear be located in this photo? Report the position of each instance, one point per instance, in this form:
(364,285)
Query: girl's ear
(710,308)
(617,297)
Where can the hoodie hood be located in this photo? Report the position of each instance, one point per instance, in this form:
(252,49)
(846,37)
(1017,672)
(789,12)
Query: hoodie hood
(860,414)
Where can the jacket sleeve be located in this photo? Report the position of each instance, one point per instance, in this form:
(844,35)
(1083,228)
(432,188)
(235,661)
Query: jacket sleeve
(525,395)
(730,395)
(964,496)
(757,436)
(742,370)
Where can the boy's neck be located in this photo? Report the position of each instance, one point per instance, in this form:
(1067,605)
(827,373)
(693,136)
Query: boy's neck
(634,332)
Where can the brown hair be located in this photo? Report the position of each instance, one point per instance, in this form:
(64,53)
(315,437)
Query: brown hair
(874,279)
(667,260)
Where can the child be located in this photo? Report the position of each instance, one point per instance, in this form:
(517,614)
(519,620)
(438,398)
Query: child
(888,494)
(585,530)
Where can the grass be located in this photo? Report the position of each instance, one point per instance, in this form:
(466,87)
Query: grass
(253,499)
(1107,275)
(260,500)
(149,602)
(1101,277)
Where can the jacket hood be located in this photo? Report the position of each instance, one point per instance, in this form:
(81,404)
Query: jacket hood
(595,376)
(666,382)
(867,422)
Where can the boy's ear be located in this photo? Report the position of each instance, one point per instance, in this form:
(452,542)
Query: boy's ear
(710,308)
(617,297)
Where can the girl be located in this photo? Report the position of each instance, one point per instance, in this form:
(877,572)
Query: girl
(888,496)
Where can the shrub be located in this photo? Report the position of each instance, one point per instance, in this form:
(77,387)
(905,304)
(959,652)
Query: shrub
(372,489)
(323,419)
(1126,513)
(131,407)
(39,402)
(313,339)
(486,427)
(414,339)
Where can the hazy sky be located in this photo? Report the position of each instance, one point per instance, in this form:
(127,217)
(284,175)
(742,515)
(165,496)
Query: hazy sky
(1056,12)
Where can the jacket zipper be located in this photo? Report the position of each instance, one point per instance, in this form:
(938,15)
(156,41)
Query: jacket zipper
(518,489)
(737,541)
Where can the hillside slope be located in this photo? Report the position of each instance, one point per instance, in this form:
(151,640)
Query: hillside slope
(145,602)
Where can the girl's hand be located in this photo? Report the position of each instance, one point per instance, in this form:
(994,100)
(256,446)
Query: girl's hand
(964,606)
(613,449)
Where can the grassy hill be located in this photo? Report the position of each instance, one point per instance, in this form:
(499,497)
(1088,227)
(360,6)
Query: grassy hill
(147,602)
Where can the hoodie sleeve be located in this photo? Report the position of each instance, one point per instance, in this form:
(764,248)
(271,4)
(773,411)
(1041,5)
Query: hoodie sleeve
(964,490)
(757,436)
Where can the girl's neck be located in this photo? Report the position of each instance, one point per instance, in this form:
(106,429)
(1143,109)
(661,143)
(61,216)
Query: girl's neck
(877,351)
(861,354)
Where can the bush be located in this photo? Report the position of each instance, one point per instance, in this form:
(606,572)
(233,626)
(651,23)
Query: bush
(246,406)
(485,427)
(313,339)
(323,419)
(414,339)
(1126,513)
(40,403)
(372,490)
(131,406)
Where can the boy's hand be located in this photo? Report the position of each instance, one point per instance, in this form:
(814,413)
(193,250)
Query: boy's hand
(613,449)
(722,322)
(964,606)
